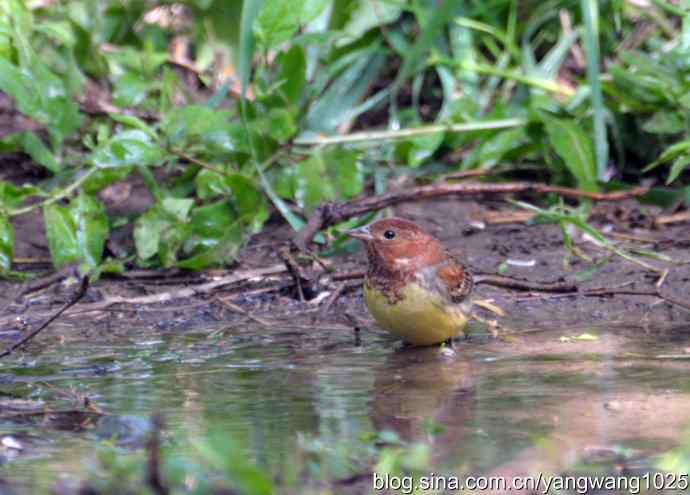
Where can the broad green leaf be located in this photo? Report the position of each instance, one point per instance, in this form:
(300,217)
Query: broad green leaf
(665,122)
(415,151)
(216,236)
(38,151)
(131,90)
(178,208)
(6,243)
(76,232)
(292,73)
(163,229)
(575,148)
(147,232)
(135,122)
(200,125)
(127,148)
(325,176)
(368,16)
(278,123)
(278,20)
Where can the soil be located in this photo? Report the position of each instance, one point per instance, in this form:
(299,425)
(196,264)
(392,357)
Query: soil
(481,232)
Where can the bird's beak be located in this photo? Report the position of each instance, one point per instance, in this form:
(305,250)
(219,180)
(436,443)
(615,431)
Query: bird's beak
(362,233)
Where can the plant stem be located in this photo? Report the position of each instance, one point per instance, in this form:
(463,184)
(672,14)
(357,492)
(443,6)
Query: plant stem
(63,194)
(357,137)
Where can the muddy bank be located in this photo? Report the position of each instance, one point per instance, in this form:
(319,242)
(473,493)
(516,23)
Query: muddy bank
(492,237)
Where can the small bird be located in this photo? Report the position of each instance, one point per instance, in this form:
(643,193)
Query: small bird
(414,288)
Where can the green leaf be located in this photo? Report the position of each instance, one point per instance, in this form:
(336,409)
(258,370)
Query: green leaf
(38,151)
(12,196)
(127,148)
(147,232)
(178,208)
(575,148)
(415,151)
(216,236)
(327,176)
(76,232)
(6,243)
(200,125)
(679,165)
(367,16)
(673,151)
(279,123)
(131,90)
(163,229)
(278,20)
(292,73)
(250,11)
(665,122)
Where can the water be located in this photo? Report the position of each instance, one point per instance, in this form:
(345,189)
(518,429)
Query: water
(572,400)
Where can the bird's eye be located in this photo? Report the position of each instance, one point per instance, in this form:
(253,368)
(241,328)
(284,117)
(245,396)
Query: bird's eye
(389,234)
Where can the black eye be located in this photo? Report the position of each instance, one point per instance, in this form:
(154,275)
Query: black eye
(389,234)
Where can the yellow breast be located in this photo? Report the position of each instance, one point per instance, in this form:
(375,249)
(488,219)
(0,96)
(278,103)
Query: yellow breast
(421,317)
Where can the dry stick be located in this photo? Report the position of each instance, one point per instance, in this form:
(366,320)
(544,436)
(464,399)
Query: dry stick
(603,292)
(488,279)
(237,309)
(153,464)
(332,213)
(512,283)
(80,293)
(189,292)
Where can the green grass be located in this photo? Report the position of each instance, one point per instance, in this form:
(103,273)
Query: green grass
(326,99)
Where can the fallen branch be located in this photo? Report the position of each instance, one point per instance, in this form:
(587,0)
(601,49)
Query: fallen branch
(189,292)
(513,283)
(333,213)
(83,286)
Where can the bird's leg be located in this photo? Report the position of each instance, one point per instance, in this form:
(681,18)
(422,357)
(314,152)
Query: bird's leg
(491,324)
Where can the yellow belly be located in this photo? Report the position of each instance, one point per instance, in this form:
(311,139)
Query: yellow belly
(421,317)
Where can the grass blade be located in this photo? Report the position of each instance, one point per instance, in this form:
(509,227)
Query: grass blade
(590,15)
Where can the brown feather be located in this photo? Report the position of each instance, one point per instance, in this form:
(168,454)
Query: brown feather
(413,254)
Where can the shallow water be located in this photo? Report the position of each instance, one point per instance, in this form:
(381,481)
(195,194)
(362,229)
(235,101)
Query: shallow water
(545,401)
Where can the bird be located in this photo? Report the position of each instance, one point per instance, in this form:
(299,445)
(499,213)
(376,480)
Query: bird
(414,288)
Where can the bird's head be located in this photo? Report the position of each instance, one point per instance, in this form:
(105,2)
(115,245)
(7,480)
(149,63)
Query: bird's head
(398,245)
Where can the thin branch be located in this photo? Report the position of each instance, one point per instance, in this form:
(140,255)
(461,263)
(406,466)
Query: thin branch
(65,192)
(333,213)
(83,286)
(515,284)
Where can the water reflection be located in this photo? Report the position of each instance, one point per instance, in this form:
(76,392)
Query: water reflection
(534,403)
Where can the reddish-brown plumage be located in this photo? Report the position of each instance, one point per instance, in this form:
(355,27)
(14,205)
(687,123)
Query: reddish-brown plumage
(400,251)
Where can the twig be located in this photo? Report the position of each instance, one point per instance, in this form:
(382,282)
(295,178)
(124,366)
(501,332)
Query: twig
(513,283)
(63,194)
(80,293)
(332,213)
(48,412)
(683,216)
(153,462)
(604,292)
(237,309)
(188,292)
(47,281)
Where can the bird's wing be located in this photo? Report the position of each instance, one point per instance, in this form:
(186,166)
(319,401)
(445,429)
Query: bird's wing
(456,279)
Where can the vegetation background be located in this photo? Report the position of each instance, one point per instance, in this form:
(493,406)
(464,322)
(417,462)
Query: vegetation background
(233,112)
